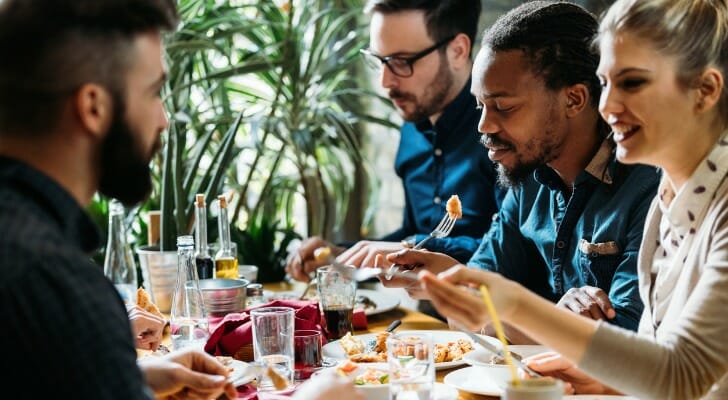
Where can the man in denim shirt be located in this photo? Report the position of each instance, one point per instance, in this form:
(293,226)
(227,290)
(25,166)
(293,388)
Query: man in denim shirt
(423,51)
(571,225)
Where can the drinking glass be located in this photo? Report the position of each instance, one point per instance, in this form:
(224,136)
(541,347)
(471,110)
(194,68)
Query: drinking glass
(273,329)
(411,366)
(337,295)
(307,348)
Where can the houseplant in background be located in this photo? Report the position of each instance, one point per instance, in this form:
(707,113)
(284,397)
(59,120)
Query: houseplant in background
(263,102)
(306,149)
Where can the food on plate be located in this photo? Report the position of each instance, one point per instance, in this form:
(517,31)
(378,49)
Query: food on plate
(453,207)
(145,302)
(371,376)
(355,349)
(380,346)
(498,360)
(453,351)
(362,302)
(370,357)
(351,345)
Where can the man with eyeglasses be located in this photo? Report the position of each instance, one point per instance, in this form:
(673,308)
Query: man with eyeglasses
(423,52)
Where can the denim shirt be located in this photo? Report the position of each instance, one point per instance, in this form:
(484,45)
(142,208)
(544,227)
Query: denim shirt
(437,162)
(550,242)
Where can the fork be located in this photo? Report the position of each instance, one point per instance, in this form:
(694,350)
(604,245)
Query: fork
(483,343)
(441,230)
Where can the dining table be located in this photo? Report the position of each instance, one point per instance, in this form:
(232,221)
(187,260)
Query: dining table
(411,319)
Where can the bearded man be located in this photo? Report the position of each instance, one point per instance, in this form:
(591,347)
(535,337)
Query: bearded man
(571,225)
(422,52)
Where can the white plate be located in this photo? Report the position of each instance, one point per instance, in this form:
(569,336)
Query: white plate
(481,356)
(384,301)
(473,380)
(598,397)
(237,374)
(378,392)
(333,349)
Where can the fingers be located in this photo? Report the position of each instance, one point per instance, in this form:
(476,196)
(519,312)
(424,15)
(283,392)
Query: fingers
(408,257)
(454,302)
(602,300)
(590,302)
(378,261)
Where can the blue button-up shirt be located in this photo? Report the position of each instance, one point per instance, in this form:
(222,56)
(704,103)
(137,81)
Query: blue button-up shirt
(550,242)
(435,162)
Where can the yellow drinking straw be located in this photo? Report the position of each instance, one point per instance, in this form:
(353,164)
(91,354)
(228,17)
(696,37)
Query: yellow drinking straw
(499,333)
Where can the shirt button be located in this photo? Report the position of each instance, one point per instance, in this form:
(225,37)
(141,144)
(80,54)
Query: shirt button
(560,244)
(438,152)
(437,200)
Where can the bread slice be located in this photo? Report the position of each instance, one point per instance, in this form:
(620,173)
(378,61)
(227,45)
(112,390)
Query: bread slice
(145,302)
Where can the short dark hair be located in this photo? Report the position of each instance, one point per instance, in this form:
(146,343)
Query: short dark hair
(444,18)
(556,38)
(50,48)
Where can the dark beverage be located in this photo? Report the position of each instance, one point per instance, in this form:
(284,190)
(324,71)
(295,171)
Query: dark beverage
(339,321)
(205,266)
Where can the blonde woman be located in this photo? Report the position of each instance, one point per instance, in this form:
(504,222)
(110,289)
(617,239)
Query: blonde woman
(663,66)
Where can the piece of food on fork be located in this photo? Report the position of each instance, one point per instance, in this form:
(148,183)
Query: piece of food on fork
(454,207)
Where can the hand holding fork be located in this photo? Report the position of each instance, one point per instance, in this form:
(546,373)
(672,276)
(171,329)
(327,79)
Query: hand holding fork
(441,230)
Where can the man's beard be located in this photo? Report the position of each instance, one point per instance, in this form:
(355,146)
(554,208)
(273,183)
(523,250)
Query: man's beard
(434,96)
(546,148)
(125,173)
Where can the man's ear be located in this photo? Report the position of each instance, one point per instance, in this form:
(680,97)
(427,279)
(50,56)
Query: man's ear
(458,51)
(577,98)
(710,86)
(94,107)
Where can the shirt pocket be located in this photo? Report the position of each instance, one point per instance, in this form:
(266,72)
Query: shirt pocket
(599,262)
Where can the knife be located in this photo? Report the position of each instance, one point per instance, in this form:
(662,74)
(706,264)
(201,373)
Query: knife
(486,345)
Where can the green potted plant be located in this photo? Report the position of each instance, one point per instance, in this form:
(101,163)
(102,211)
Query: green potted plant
(263,101)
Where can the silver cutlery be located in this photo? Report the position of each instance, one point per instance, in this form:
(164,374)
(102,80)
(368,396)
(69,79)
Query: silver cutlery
(373,343)
(482,342)
(441,230)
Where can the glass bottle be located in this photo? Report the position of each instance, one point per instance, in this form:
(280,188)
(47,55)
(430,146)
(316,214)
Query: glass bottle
(203,259)
(226,262)
(253,295)
(188,318)
(119,265)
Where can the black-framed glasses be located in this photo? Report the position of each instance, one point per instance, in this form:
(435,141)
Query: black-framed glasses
(400,66)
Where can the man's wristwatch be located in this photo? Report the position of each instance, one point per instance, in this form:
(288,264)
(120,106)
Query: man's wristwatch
(409,242)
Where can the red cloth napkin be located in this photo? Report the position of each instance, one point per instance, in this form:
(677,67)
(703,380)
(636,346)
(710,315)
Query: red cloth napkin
(229,333)
(360,319)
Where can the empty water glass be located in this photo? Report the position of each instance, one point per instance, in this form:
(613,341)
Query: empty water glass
(273,330)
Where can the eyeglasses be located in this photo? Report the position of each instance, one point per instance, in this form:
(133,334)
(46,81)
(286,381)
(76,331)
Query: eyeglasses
(400,66)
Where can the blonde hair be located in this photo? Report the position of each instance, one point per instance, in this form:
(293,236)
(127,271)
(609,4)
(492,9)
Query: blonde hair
(693,31)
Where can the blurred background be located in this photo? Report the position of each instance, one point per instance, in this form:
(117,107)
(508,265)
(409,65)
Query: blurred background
(271,105)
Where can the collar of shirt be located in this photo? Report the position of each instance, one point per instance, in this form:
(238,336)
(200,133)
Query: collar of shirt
(51,198)
(451,115)
(685,209)
(600,167)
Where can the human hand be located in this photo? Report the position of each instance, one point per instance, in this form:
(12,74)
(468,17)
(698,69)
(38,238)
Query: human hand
(455,296)
(147,328)
(327,386)
(186,374)
(363,253)
(575,380)
(415,261)
(302,261)
(588,301)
